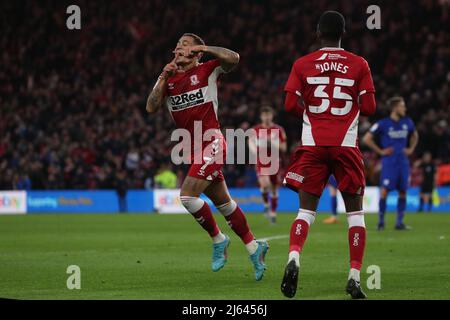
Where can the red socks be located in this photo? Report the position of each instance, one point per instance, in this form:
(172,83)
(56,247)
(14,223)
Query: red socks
(205,218)
(273,203)
(299,232)
(237,222)
(300,228)
(357,243)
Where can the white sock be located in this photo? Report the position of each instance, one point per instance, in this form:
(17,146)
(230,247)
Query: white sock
(251,247)
(294,255)
(220,237)
(354,274)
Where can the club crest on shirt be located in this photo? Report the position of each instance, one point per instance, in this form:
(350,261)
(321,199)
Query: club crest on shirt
(194,80)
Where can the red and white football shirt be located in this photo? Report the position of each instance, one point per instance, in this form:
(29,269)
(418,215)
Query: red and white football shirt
(329,81)
(191,98)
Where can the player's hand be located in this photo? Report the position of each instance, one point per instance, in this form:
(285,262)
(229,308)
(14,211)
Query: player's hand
(408,151)
(171,68)
(387,151)
(191,51)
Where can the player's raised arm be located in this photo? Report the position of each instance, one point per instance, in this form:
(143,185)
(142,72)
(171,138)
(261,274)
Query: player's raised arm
(156,97)
(228,58)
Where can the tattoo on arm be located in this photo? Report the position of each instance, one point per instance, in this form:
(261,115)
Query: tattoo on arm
(228,58)
(156,97)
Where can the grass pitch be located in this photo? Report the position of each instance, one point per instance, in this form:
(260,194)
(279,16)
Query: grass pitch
(134,256)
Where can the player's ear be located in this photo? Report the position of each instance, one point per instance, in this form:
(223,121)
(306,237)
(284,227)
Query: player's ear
(199,56)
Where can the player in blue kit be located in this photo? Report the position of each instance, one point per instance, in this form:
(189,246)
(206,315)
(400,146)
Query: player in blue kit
(396,138)
(332,187)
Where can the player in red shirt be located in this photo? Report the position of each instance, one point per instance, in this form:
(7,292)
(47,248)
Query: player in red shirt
(329,89)
(189,90)
(267,133)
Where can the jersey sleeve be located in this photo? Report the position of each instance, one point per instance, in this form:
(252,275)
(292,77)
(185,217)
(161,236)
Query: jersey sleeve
(366,82)
(376,128)
(294,83)
(411,126)
(214,66)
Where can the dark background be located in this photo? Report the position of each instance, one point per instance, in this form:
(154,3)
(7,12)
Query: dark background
(72,103)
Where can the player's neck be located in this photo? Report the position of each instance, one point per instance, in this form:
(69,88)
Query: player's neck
(330,44)
(189,66)
(395,117)
(267,125)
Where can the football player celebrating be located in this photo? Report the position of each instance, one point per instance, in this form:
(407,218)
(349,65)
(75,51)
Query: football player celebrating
(329,89)
(398,138)
(189,90)
(265,134)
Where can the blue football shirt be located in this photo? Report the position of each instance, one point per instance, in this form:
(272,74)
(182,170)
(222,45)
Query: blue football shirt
(395,134)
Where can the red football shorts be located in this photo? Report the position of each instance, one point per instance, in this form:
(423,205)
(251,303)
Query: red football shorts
(208,165)
(311,167)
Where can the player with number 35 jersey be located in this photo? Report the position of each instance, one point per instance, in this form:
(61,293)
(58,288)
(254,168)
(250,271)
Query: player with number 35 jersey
(328,89)
(331,82)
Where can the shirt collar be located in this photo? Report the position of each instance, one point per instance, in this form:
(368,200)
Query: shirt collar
(331,48)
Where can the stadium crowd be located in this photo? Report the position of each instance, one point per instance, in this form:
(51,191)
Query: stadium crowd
(72,101)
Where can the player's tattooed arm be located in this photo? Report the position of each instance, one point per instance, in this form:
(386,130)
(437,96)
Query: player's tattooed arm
(228,58)
(156,97)
(413,140)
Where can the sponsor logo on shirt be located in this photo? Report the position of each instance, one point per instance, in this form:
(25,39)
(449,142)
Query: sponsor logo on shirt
(331,56)
(295,176)
(398,134)
(188,99)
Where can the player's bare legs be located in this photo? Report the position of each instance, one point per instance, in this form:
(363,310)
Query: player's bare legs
(264,187)
(217,191)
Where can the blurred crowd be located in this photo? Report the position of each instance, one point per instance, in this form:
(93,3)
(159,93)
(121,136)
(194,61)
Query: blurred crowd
(72,102)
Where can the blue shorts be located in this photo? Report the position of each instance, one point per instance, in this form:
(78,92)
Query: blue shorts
(395,177)
(332,181)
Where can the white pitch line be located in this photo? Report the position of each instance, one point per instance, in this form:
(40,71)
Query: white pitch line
(284,236)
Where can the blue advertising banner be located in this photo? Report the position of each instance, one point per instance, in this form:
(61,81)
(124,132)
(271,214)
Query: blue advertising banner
(72,201)
(167,201)
(140,201)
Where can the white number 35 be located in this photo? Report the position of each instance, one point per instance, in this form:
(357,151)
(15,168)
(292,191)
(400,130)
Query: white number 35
(321,83)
